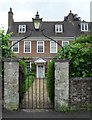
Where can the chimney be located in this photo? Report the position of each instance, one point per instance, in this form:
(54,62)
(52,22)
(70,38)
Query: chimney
(70,16)
(10,19)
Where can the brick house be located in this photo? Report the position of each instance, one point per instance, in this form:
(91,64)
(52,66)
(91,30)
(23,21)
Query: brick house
(39,49)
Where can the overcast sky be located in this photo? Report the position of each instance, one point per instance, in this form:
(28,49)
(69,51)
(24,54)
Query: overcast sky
(51,10)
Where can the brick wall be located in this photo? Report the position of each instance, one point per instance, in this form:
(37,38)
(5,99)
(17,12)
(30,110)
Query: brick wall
(80,91)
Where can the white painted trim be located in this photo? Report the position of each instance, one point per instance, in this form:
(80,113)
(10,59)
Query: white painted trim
(84,27)
(40,60)
(43,38)
(57,26)
(50,47)
(63,42)
(24,46)
(22,27)
(18,46)
(43,46)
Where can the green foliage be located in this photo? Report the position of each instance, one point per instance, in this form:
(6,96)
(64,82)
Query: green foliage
(32,74)
(79,53)
(84,39)
(50,80)
(25,86)
(78,107)
(33,67)
(27,83)
(23,64)
(4,39)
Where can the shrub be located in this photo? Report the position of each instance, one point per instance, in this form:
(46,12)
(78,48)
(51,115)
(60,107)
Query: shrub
(50,80)
(23,64)
(79,53)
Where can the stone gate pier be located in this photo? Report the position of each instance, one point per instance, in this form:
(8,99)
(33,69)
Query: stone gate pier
(11,85)
(61,84)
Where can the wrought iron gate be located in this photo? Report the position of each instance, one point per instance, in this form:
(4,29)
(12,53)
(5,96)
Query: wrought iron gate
(35,95)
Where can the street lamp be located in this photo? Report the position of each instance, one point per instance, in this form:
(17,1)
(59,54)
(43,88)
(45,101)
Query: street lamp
(37,22)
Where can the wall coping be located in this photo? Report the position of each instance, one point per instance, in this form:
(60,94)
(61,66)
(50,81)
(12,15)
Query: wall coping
(62,60)
(11,60)
(80,78)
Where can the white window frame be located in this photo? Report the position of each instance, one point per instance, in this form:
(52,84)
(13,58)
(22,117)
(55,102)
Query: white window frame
(63,42)
(29,66)
(51,42)
(24,47)
(42,45)
(22,28)
(14,45)
(58,27)
(84,26)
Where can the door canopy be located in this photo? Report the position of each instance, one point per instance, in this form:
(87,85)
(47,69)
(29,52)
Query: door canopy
(40,60)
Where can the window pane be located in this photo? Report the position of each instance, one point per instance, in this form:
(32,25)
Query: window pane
(15,47)
(27,46)
(53,47)
(65,43)
(28,66)
(86,27)
(58,28)
(40,47)
(82,26)
(22,28)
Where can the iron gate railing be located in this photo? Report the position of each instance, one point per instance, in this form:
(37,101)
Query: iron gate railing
(36,95)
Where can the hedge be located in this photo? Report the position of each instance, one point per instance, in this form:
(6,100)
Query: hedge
(50,80)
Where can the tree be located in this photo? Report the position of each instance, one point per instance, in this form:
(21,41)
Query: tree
(79,52)
(4,41)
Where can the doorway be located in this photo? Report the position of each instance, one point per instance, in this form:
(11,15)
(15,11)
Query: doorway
(40,71)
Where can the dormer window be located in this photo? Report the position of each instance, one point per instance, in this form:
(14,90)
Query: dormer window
(84,26)
(22,28)
(58,28)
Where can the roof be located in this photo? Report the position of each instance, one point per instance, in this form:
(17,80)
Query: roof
(70,29)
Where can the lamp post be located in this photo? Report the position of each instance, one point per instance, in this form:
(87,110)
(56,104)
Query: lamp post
(37,26)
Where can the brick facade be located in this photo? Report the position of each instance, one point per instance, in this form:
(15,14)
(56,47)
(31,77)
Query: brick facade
(34,50)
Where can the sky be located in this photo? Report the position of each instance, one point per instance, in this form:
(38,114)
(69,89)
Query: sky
(49,10)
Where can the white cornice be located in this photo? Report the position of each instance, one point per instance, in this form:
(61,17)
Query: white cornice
(41,38)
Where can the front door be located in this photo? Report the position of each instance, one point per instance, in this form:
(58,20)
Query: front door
(40,71)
